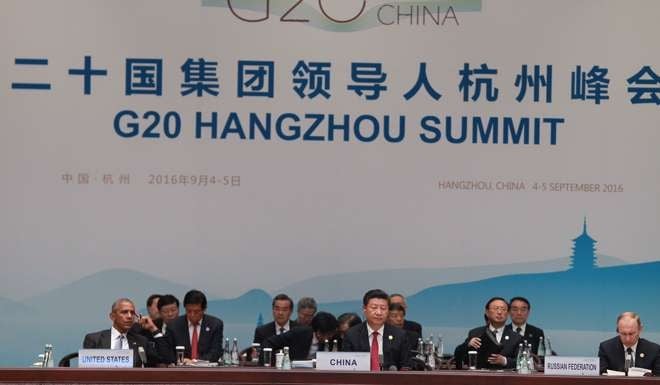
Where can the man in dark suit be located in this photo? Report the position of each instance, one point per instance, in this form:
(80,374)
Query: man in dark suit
(121,336)
(306,308)
(519,312)
(200,333)
(168,310)
(496,346)
(282,308)
(396,317)
(305,341)
(377,337)
(407,324)
(152,306)
(644,354)
(346,321)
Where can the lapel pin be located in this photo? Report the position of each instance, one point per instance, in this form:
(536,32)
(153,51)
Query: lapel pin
(208,329)
(641,355)
(506,337)
(390,337)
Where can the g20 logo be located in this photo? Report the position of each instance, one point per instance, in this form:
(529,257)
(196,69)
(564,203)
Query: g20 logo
(289,14)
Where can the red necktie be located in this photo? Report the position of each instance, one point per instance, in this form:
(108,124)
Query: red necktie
(375,362)
(193,344)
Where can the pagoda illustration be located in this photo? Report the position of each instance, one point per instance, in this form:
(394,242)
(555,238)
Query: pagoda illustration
(584,252)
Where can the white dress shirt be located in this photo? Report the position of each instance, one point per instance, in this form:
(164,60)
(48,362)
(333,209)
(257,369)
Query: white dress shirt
(380,331)
(191,329)
(286,328)
(114,337)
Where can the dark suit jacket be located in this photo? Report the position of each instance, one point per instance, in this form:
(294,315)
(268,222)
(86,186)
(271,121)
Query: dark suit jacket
(509,344)
(396,350)
(162,351)
(209,345)
(532,334)
(101,340)
(299,340)
(413,339)
(412,326)
(265,331)
(611,354)
(137,329)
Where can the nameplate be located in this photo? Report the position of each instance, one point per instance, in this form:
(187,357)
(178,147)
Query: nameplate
(105,358)
(351,361)
(572,366)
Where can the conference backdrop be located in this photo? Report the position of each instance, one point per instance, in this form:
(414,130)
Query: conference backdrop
(447,150)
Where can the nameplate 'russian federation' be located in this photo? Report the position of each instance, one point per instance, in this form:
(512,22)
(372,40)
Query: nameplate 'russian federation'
(352,361)
(572,366)
(105,358)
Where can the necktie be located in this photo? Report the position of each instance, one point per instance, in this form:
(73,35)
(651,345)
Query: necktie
(495,334)
(375,362)
(120,342)
(519,330)
(632,357)
(281,330)
(193,343)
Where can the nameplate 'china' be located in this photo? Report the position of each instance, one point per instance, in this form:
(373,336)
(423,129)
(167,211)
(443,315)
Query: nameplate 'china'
(352,361)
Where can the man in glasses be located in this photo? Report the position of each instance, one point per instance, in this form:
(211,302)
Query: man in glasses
(496,346)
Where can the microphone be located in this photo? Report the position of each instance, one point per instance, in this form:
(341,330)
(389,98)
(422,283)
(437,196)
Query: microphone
(143,355)
(552,352)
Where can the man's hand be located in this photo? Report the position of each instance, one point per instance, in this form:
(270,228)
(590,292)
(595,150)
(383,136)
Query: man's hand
(497,359)
(148,324)
(475,342)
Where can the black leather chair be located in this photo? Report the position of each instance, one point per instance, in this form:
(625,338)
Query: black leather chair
(65,362)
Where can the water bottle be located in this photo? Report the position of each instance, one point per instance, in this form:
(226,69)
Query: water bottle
(519,358)
(541,352)
(430,358)
(286,361)
(335,346)
(226,355)
(234,353)
(420,349)
(429,346)
(48,356)
(530,359)
(326,346)
(441,346)
(524,362)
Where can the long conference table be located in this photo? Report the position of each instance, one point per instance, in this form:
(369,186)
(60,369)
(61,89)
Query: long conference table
(262,376)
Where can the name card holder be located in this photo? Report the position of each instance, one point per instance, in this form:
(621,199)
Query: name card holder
(345,361)
(572,366)
(105,358)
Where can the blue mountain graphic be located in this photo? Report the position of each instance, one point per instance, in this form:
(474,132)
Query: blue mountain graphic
(561,300)
(243,309)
